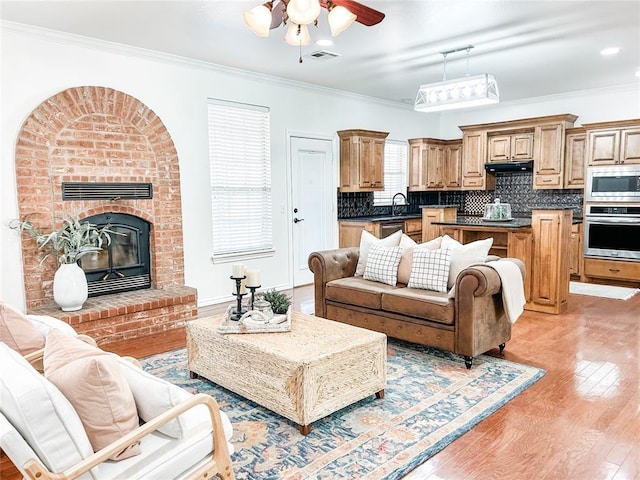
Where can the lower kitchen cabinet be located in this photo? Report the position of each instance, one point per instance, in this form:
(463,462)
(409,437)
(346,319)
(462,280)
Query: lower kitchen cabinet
(349,233)
(616,270)
(413,228)
(575,259)
(431,215)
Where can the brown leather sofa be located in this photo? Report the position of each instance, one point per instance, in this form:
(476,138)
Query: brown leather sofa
(470,324)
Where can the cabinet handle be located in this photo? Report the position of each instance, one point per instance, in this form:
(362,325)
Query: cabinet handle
(614,270)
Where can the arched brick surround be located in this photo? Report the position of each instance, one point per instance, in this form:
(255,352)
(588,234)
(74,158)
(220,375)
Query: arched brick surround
(87,134)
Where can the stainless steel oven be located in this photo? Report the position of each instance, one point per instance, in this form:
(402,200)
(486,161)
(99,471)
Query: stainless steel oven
(612,231)
(614,183)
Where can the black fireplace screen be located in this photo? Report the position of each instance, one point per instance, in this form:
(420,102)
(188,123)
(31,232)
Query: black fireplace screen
(124,264)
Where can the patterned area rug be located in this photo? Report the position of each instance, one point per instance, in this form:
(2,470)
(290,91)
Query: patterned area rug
(604,291)
(431,399)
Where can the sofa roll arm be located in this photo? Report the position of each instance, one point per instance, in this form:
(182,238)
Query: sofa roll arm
(220,463)
(330,265)
(486,279)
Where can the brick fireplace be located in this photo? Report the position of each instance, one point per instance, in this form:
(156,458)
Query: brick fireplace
(97,134)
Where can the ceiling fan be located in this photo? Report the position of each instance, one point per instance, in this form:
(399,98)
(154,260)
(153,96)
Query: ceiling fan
(300,13)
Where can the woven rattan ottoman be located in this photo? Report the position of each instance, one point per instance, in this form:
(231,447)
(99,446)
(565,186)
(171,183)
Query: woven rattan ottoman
(317,368)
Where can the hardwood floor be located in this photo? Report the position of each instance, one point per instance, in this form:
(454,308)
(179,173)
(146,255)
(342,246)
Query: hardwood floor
(580,421)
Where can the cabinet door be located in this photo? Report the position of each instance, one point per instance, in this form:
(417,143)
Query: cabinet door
(430,231)
(371,157)
(520,246)
(630,146)
(574,158)
(522,146)
(348,165)
(415,167)
(575,259)
(549,157)
(474,176)
(499,148)
(604,147)
(452,168)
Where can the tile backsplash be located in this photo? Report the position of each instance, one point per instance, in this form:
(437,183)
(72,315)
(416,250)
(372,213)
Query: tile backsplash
(515,188)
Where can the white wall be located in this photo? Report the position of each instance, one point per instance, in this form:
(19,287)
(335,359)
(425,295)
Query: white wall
(37,64)
(602,105)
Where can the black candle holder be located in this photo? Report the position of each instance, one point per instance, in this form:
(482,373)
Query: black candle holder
(237,312)
(253,294)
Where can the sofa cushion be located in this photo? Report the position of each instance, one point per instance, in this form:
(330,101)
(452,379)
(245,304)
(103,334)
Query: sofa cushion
(357,291)
(41,414)
(424,304)
(92,380)
(408,246)
(430,269)
(463,256)
(18,332)
(382,264)
(367,239)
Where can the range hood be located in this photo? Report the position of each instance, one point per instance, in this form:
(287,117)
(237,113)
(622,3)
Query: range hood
(505,167)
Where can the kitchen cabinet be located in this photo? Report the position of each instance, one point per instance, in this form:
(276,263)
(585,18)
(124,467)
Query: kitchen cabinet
(550,270)
(413,228)
(361,160)
(474,176)
(613,143)
(575,258)
(548,166)
(507,148)
(435,214)
(349,232)
(617,271)
(434,164)
(574,157)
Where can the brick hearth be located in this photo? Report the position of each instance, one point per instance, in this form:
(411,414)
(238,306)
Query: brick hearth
(97,134)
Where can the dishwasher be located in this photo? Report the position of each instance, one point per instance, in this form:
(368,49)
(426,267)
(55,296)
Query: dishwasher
(387,228)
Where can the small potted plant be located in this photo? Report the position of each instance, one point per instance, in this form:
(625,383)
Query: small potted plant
(69,243)
(279,301)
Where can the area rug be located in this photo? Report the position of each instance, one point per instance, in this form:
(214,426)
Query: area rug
(430,400)
(605,291)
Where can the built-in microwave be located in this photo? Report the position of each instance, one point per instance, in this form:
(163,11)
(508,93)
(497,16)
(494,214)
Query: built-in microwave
(613,183)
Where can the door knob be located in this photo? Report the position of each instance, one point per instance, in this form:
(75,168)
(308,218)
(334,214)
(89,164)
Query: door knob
(296,220)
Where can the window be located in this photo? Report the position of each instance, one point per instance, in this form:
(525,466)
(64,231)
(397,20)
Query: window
(240,169)
(395,172)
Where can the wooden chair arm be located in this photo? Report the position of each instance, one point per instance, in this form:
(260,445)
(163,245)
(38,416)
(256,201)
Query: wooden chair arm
(219,464)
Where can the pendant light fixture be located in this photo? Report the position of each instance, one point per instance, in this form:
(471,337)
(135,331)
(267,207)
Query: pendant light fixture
(465,92)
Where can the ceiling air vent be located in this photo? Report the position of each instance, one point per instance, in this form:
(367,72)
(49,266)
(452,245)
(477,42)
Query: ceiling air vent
(322,55)
(105,191)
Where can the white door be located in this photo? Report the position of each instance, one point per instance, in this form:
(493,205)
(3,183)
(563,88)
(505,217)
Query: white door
(312,202)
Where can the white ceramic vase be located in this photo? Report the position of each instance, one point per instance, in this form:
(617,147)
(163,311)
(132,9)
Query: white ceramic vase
(70,289)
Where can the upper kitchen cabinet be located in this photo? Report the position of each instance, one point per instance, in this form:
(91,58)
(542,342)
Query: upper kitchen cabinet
(575,152)
(434,164)
(507,148)
(361,160)
(548,164)
(613,143)
(474,148)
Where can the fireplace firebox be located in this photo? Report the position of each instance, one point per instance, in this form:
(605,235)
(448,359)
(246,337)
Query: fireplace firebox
(124,262)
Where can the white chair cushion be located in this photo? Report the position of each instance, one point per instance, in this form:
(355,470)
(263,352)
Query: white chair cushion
(41,414)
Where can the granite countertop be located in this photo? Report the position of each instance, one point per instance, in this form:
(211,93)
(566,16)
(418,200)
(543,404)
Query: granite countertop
(521,222)
(382,218)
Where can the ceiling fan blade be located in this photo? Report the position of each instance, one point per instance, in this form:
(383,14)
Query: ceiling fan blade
(277,14)
(365,15)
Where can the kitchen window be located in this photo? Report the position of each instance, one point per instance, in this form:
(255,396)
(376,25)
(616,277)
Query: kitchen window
(240,175)
(395,172)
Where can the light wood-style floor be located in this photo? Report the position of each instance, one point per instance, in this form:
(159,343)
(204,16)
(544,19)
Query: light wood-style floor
(580,421)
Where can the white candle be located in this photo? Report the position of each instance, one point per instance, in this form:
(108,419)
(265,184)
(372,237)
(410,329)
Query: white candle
(253,278)
(243,286)
(237,270)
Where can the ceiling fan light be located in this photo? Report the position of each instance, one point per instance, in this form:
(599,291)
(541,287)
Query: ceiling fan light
(303,12)
(297,35)
(340,19)
(258,19)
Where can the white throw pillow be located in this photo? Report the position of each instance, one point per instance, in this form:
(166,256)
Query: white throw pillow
(367,239)
(430,269)
(42,415)
(382,264)
(408,245)
(463,256)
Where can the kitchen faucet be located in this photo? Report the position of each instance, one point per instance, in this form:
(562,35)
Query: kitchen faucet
(393,203)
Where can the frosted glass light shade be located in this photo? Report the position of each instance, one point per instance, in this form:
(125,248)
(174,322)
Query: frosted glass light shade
(463,92)
(303,12)
(295,38)
(258,19)
(340,19)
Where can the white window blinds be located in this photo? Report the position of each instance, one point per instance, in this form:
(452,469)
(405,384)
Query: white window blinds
(395,172)
(240,170)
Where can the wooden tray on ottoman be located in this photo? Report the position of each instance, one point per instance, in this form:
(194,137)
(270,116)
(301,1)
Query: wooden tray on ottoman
(317,368)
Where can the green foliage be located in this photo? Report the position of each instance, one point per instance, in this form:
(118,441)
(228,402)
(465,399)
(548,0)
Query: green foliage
(70,242)
(279,301)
